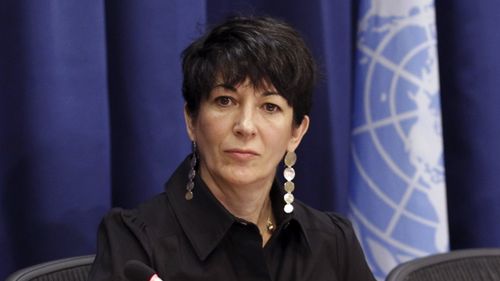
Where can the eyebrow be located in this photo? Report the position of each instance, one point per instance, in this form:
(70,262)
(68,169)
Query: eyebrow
(268,93)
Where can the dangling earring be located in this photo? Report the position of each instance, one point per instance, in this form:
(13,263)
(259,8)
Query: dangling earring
(289,174)
(192,173)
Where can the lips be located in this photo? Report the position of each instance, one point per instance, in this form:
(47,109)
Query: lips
(242,154)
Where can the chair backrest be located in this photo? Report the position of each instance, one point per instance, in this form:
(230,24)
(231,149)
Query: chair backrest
(69,269)
(460,265)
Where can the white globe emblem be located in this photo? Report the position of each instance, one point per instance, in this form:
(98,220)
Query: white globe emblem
(397,179)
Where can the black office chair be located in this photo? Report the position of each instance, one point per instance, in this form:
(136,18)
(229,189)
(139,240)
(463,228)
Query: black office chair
(69,269)
(460,265)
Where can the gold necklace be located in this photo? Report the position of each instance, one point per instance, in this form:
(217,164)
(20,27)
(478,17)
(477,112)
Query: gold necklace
(270,225)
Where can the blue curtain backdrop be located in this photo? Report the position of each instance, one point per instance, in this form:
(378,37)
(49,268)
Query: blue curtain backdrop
(469,58)
(91,112)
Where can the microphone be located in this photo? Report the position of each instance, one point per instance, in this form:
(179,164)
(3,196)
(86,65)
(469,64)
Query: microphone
(138,271)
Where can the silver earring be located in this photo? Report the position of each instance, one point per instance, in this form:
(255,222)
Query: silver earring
(289,174)
(192,174)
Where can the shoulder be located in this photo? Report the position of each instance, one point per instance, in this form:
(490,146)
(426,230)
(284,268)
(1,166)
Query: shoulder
(126,234)
(331,234)
(152,216)
(326,229)
(331,222)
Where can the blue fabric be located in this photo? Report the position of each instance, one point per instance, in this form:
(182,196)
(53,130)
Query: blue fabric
(469,44)
(91,117)
(91,112)
(54,130)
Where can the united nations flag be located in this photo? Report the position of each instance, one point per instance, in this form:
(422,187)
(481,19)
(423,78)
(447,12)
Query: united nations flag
(397,193)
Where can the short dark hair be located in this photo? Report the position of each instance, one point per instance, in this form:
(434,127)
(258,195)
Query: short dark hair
(261,49)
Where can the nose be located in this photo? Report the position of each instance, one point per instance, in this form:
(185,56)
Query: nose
(244,125)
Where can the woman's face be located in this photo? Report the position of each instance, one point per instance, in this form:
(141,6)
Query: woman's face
(242,134)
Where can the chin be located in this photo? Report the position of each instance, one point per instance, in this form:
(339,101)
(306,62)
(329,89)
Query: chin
(242,177)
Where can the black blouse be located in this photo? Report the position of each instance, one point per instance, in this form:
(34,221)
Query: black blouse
(200,240)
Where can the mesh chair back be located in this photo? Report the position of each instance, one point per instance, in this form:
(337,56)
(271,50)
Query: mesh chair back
(69,269)
(461,265)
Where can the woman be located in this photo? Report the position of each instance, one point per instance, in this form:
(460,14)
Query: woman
(224,216)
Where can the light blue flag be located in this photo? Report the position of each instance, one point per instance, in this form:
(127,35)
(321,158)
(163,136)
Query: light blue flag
(397,185)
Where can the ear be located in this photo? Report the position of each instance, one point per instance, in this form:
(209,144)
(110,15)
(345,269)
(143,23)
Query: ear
(297,133)
(189,124)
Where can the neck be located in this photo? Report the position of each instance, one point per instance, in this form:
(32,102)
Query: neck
(250,202)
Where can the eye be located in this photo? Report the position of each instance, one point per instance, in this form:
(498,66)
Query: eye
(271,107)
(224,101)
